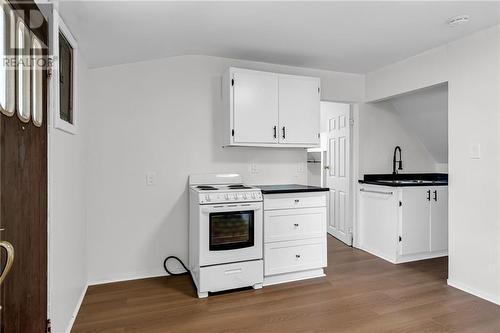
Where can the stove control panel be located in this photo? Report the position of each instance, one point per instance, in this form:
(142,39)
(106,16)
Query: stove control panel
(233,196)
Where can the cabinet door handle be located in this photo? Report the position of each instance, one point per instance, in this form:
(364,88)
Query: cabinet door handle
(297,256)
(296,225)
(284,132)
(429,195)
(435,195)
(275,134)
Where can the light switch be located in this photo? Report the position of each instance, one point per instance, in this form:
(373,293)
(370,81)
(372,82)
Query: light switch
(475,151)
(150,178)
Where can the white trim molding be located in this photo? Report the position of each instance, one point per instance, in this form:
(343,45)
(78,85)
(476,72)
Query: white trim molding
(473,291)
(77,309)
(60,26)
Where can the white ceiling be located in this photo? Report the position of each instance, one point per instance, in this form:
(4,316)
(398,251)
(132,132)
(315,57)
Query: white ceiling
(343,36)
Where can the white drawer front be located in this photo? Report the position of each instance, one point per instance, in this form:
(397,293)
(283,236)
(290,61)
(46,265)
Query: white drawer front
(294,200)
(293,256)
(231,276)
(294,224)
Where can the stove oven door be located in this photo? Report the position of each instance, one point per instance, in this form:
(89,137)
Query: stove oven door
(230,233)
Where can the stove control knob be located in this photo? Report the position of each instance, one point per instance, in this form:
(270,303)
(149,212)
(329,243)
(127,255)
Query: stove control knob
(207,197)
(253,195)
(226,196)
(244,195)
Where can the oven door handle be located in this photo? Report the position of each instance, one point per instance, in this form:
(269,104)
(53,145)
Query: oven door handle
(231,208)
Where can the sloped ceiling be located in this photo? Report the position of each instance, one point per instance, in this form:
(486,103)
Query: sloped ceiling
(425,113)
(347,36)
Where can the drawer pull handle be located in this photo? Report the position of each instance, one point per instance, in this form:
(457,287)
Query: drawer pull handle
(297,256)
(297,200)
(233,271)
(296,225)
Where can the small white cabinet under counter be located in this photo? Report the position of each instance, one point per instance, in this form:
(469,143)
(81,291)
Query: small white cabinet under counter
(403,221)
(295,219)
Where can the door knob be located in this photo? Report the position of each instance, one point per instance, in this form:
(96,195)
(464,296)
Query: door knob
(10,259)
(327,167)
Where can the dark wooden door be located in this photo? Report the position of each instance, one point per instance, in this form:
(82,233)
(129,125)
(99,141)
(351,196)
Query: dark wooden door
(23,206)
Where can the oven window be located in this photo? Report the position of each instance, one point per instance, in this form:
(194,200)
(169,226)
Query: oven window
(231,230)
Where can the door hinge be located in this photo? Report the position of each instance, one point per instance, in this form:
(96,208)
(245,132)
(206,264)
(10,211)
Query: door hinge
(351,122)
(48,326)
(319,135)
(318,90)
(400,204)
(49,73)
(232,132)
(232,82)
(400,239)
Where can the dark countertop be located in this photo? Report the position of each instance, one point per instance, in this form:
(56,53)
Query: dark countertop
(290,188)
(408,179)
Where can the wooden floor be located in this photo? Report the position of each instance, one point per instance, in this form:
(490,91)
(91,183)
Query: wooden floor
(361,293)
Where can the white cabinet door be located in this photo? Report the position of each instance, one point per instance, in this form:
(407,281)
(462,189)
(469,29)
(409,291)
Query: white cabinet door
(439,218)
(299,105)
(255,107)
(415,220)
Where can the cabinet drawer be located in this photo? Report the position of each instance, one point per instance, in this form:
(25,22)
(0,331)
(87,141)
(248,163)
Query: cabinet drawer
(294,200)
(294,224)
(231,276)
(294,256)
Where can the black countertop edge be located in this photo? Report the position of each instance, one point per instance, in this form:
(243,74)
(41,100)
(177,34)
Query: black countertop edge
(395,184)
(290,188)
(407,176)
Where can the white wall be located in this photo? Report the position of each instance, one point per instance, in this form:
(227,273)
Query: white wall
(425,114)
(381,129)
(67,220)
(164,116)
(471,67)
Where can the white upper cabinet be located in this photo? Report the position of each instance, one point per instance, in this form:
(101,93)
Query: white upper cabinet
(255,101)
(299,105)
(266,109)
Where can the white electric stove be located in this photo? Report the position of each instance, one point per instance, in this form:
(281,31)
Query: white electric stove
(225,233)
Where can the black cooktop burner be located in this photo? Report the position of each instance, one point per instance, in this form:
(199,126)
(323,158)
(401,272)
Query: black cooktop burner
(206,187)
(238,186)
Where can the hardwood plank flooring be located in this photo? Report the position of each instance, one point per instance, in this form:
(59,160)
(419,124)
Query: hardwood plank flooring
(361,293)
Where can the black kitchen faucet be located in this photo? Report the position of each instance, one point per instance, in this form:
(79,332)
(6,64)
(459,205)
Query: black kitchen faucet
(394,161)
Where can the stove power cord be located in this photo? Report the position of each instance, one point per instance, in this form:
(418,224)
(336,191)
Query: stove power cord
(180,261)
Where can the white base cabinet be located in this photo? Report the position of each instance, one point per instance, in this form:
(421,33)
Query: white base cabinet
(294,236)
(401,224)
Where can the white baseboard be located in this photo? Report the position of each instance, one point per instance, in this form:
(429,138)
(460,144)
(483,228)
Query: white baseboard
(77,308)
(473,291)
(127,277)
(295,276)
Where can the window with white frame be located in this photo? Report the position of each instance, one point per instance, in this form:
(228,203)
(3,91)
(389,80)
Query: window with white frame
(64,48)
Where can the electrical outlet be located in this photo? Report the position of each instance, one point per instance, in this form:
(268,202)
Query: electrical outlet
(150,178)
(254,169)
(300,168)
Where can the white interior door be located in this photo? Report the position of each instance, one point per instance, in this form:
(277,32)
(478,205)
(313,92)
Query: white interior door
(338,168)
(255,105)
(299,109)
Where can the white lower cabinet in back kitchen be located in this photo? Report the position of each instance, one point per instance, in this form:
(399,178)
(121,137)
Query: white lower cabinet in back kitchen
(294,232)
(404,220)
